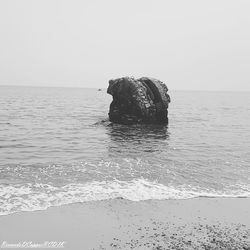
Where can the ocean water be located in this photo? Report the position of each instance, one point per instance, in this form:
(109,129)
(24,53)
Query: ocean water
(58,147)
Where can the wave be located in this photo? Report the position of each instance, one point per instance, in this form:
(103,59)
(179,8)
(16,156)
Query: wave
(32,197)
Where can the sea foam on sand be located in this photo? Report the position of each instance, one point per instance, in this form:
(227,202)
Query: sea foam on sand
(39,196)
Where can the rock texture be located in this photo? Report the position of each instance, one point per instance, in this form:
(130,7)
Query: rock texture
(143,100)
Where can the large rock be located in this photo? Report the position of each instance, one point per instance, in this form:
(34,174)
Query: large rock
(143,100)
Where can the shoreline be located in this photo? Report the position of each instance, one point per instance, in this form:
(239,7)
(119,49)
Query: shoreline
(197,223)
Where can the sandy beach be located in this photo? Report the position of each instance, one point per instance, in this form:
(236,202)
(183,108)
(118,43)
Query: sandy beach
(202,223)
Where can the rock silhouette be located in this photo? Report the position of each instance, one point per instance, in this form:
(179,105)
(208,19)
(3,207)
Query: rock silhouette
(143,100)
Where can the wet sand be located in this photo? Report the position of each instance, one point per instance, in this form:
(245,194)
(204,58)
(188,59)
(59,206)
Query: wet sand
(204,223)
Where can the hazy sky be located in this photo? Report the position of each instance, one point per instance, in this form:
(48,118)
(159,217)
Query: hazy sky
(189,44)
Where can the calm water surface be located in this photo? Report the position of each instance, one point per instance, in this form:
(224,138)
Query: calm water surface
(57,147)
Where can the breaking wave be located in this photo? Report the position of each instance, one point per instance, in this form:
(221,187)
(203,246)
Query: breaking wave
(32,197)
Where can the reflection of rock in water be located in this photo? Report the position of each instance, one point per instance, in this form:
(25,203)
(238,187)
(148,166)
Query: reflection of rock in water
(143,100)
(136,140)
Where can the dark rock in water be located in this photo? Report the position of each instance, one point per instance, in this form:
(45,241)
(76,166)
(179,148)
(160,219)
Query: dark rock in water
(143,100)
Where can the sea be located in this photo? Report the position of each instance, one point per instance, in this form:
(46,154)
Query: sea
(58,147)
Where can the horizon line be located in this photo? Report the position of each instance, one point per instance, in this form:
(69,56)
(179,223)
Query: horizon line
(103,88)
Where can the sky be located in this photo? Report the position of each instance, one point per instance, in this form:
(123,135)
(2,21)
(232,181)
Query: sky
(189,45)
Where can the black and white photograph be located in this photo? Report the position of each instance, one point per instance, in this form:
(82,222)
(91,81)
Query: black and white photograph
(125,125)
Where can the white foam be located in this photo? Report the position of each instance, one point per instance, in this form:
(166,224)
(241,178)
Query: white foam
(31,197)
